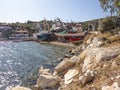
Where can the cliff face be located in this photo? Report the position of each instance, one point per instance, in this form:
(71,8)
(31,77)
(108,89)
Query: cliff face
(97,67)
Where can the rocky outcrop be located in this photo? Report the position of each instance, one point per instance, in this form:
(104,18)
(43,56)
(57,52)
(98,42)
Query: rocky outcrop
(89,62)
(94,55)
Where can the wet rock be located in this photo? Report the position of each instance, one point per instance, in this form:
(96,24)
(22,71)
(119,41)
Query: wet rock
(114,86)
(68,77)
(20,88)
(68,55)
(73,52)
(59,59)
(76,51)
(69,51)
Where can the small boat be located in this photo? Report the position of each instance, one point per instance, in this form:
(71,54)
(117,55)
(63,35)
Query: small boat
(70,36)
(45,36)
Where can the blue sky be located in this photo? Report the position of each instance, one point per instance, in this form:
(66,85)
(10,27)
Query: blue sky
(36,10)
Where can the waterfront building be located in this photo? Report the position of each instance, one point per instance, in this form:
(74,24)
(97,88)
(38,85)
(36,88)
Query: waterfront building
(5,27)
(21,34)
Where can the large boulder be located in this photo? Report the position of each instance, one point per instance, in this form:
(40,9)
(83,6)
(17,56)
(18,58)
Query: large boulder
(68,77)
(92,56)
(66,64)
(46,79)
(20,88)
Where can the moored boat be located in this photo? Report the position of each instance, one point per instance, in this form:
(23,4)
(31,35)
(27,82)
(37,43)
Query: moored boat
(70,36)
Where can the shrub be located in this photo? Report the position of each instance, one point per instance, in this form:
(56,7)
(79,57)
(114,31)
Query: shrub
(107,24)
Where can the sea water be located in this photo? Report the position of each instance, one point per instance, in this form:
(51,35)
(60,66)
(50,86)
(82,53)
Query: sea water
(20,60)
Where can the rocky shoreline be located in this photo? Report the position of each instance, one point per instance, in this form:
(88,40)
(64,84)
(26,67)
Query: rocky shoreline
(90,66)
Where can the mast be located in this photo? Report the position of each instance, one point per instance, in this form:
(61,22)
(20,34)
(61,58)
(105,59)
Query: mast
(46,25)
(39,28)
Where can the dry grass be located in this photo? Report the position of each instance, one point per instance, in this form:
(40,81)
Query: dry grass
(106,35)
(110,39)
(114,39)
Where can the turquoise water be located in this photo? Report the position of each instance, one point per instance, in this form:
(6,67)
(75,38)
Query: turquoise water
(19,60)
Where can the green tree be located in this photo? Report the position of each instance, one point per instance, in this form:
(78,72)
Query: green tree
(117,4)
(112,6)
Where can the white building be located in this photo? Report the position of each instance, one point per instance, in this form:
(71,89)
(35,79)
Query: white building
(19,35)
(5,27)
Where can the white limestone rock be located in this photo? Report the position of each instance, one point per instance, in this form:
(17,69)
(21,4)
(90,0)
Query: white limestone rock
(114,86)
(47,81)
(68,77)
(66,64)
(86,77)
(94,55)
(20,88)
